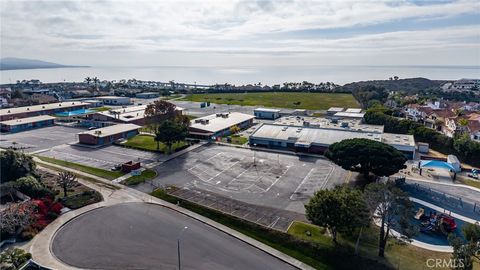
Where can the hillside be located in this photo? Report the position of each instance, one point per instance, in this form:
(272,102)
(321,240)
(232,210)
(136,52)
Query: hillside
(409,86)
(21,63)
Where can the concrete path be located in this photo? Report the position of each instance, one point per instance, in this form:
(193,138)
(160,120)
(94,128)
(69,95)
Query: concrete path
(40,246)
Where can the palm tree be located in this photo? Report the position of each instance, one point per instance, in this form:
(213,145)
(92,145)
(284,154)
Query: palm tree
(88,80)
(95,81)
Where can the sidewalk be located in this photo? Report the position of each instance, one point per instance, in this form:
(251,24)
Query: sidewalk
(40,245)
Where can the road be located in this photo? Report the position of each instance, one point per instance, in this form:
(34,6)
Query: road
(143,236)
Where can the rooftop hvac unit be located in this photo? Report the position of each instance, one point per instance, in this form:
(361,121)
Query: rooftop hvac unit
(98,132)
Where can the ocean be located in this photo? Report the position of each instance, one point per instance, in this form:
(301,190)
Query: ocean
(244,75)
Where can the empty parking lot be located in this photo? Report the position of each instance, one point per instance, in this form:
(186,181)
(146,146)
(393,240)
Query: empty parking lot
(39,139)
(104,157)
(257,177)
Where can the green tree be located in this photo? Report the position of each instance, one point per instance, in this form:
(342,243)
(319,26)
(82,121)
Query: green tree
(31,187)
(13,258)
(159,112)
(15,165)
(367,156)
(172,131)
(389,207)
(466,250)
(17,94)
(341,209)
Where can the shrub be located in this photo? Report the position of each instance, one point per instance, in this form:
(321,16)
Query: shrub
(31,187)
(27,234)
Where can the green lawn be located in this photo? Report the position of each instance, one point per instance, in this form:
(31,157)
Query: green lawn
(100,109)
(398,255)
(137,179)
(469,182)
(309,101)
(87,169)
(146,142)
(235,139)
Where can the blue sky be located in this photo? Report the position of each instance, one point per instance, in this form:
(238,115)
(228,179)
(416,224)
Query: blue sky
(243,33)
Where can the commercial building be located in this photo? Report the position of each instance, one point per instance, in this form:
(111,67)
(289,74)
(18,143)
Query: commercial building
(265,113)
(42,109)
(17,125)
(333,110)
(217,125)
(315,136)
(148,95)
(114,100)
(349,115)
(132,115)
(108,134)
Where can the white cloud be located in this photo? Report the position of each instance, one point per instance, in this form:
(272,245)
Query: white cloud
(65,28)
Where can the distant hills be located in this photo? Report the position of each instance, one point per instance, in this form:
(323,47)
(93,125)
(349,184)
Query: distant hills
(21,63)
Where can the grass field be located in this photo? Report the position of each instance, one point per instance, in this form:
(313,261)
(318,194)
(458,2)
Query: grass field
(319,256)
(309,101)
(146,142)
(87,169)
(398,255)
(137,179)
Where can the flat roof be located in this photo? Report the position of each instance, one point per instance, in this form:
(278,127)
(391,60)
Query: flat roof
(353,110)
(111,130)
(266,110)
(41,107)
(27,120)
(321,122)
(335,109)
(130,113)
(217,123)
(111,97)
(349,114)
(305,136)
(402,142)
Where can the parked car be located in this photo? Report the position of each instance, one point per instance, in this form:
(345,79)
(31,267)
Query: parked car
(117,167)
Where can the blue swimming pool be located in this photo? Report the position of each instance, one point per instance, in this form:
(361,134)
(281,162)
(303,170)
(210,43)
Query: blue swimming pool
(74,113)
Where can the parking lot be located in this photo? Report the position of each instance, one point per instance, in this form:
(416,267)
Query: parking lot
(256,177)
(104,157)
(41,138)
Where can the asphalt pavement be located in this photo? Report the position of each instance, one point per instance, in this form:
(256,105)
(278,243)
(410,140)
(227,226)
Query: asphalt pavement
(144,236)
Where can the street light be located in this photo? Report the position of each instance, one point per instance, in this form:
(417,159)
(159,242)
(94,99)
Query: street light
(178,245)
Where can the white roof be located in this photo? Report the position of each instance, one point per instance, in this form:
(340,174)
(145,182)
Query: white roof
(41,107)
(321,122)
(129,113)
(349,114)
(305,136)
(267,110)
(111,130)
(27,120)
(112,97)
(353,110)
(402,142)
(335,109)
(218,123)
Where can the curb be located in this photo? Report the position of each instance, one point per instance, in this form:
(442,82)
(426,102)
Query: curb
(246,239)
